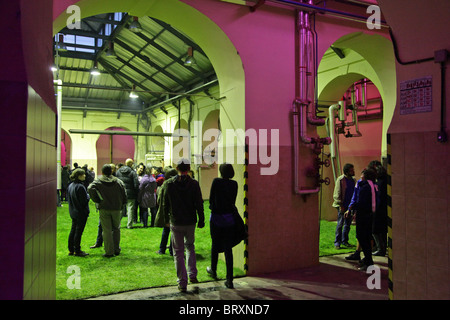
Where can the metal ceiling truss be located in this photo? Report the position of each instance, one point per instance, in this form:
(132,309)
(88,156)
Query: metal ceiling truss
(157,84)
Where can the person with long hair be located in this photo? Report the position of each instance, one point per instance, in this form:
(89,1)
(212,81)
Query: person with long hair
(222,201)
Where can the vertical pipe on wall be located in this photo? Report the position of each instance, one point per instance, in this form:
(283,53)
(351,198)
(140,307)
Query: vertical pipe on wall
(304,105)
(58,134)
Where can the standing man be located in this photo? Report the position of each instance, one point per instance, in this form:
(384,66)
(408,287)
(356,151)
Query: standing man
(182,203)
(131,182)
(109,193)
(343,192)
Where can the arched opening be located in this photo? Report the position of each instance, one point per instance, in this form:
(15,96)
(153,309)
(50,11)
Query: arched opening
(365,79)
(205,33)
(66,144)
(114,148)
(155,156)
(208,168)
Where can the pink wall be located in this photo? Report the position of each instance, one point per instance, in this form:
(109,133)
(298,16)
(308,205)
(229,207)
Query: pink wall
(27,138)
(123,148)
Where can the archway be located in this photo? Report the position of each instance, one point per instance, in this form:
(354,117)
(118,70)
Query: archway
(155,156)
(367,59)
(114,148)
(208,170)
(181,146)
(66,143)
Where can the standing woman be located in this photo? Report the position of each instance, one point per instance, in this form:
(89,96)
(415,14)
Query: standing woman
(78,199)
(222,200)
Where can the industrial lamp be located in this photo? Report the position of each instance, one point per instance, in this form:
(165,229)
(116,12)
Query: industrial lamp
(133,95)
(94,70)
(135,26)
(110,53)
(189,61)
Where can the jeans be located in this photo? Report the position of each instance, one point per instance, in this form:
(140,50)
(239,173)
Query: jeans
(342,229)
(184,237)
(75,234)
(164,239)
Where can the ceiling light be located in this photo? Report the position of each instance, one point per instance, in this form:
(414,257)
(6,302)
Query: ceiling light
(110,53)
(94,70)
(133,95)
(189,61)
(60,45)
(135,26)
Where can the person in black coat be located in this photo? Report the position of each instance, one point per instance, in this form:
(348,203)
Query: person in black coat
(131,182)
(365,207)
(222,200)
(78,199)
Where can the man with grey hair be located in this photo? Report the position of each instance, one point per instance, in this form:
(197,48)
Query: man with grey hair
(131,182)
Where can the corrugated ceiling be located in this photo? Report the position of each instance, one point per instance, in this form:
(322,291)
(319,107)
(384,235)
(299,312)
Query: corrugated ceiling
(151,61)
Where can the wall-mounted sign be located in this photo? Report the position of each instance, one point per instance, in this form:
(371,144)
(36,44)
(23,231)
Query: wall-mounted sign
(416,95)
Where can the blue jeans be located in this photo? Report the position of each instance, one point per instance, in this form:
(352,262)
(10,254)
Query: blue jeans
(342,228)
(183,237)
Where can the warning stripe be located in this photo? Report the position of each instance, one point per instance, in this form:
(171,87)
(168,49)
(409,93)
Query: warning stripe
(246,207)
(389,209)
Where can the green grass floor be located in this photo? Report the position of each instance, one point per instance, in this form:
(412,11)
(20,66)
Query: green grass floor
(138,266)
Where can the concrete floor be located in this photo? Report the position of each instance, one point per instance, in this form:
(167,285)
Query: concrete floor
(334,279)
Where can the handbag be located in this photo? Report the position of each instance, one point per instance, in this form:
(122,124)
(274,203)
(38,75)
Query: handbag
(240,230)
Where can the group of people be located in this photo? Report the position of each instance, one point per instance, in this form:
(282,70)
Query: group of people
(175,202)
(365,201)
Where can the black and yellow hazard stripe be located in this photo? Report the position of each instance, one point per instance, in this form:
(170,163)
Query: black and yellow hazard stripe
(389,209)
(246,207)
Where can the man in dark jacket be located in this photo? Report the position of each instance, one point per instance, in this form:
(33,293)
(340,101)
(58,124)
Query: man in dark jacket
(109,193)
(78,200)
(182,203)
(131,182)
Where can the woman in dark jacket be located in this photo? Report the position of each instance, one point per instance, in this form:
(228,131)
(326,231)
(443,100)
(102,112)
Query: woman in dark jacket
(147,197)
(78,199)
(365,207)
(222,200)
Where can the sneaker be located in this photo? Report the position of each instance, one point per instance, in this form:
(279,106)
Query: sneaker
(95,246)
(182,289)
(71,253)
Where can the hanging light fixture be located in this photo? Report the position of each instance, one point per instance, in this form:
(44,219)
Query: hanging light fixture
(135,26)
(110,53)
(94,70)
(133,95)
(189,61)
(60,45)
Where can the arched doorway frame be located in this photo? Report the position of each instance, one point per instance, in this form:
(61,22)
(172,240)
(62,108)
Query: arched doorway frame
(372,57)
